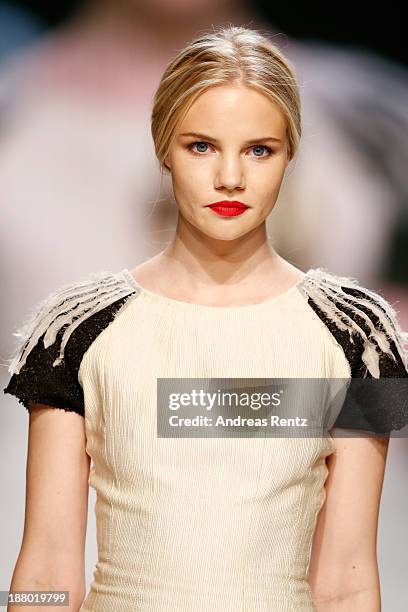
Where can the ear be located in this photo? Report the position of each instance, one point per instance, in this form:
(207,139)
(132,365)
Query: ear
(166,163)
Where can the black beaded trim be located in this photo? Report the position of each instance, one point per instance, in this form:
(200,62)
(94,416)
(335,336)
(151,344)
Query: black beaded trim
(373,405)
(57,386)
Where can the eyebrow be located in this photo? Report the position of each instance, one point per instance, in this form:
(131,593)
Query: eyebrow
(248,142)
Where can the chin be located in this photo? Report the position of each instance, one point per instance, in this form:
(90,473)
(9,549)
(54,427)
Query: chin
(221,234)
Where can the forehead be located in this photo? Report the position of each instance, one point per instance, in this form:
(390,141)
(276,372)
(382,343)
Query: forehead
(240,110)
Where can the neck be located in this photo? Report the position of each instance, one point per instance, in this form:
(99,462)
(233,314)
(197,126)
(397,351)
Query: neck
(211,260)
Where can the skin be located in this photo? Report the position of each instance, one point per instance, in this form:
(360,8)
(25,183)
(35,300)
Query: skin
(52,553)
(343,570)
(224,261)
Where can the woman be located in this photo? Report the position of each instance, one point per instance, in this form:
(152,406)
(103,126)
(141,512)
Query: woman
(209,521)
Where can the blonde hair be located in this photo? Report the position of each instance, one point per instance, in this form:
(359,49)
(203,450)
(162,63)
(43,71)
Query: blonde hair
(227,55)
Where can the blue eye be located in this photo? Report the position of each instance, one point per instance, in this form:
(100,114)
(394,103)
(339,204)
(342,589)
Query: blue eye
(203,146)
(268,149)
(199,143)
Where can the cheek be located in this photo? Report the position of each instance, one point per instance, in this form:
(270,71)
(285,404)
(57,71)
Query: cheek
(191,178)
(187,193)
(183,184)
(265,183)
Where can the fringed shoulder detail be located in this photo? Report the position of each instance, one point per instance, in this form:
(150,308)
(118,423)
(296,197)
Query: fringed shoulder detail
(365,315)
(67,308)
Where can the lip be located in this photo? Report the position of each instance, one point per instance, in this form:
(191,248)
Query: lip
(228,208)
(234,203)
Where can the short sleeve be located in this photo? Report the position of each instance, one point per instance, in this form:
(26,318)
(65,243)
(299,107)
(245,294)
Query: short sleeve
(377,397)
(56,335)
(375,406)
(42,382)
(367,328)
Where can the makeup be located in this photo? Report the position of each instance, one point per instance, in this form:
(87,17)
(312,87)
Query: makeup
(228,208)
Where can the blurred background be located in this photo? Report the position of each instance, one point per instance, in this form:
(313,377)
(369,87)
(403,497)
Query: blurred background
(81,190)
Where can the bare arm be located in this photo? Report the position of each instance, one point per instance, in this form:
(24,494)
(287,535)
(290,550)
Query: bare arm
(52,552)
(343,571)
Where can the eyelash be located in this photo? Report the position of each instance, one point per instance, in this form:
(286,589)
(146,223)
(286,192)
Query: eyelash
(268,149)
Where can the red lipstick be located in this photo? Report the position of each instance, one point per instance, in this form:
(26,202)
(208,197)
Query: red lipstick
(228,208)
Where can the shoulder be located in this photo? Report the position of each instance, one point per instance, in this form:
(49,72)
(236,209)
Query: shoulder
(366,327)
(363,322)
(56,334)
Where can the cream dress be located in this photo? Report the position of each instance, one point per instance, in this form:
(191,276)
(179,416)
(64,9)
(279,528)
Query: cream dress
(216,523)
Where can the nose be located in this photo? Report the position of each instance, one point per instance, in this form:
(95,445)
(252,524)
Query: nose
(229,173)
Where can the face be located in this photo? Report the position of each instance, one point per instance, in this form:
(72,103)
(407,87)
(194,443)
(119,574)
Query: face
(239,154)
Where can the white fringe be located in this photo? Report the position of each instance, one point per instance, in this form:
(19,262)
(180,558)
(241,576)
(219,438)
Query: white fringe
(72,303)
(324,287)
(69,305)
